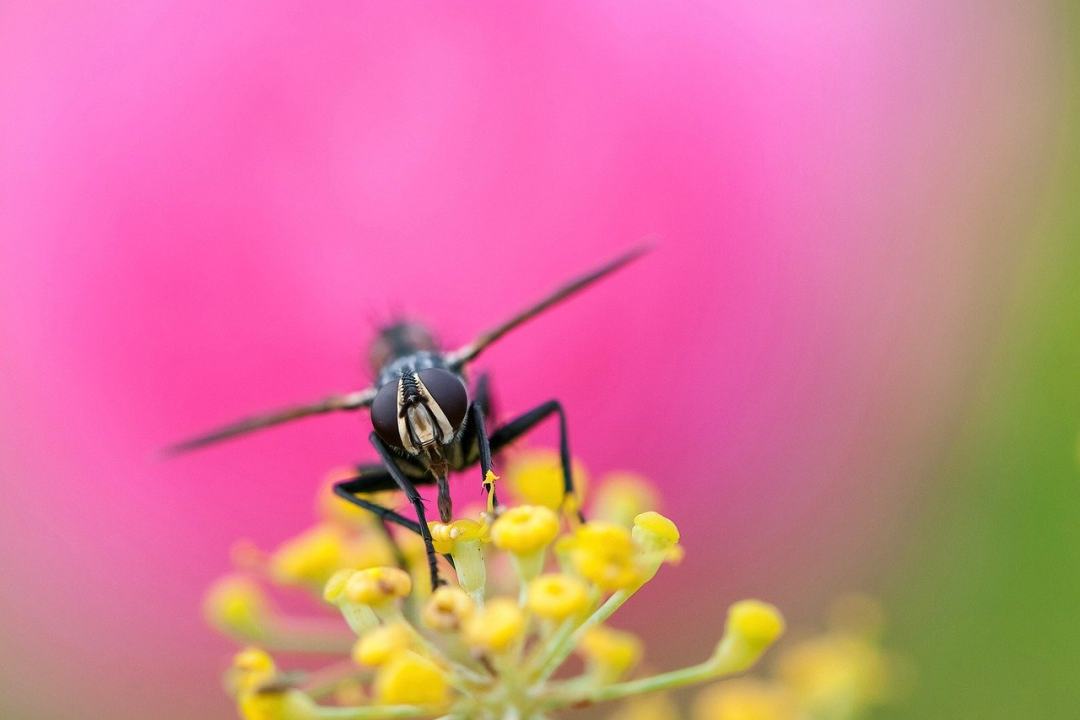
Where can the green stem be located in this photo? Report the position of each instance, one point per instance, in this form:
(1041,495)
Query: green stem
(325,681)
(303,637)
(702,672)
(566,639)
(371,712)
(459,674)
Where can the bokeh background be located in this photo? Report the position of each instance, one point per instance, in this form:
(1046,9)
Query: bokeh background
(852,361)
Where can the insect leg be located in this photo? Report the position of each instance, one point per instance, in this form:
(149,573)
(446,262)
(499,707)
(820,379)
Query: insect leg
(482,395)
(376,478)
(476,431)
(373,478)
(522,424)
(483,442)
(414,499)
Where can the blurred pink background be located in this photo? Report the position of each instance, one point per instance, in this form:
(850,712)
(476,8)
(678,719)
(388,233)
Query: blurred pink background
(204,211)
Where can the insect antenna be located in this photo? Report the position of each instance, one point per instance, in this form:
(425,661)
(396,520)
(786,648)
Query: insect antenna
(467,353)
(351,401)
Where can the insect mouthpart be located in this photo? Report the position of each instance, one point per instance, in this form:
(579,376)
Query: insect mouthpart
(419,426)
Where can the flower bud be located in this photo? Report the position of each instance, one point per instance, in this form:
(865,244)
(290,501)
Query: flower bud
(378,586)
(447,609)
(752,626)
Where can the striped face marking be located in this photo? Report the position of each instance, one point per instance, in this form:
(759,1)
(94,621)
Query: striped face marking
(421,410)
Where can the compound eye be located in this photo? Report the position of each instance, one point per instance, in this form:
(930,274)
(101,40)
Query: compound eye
(384,414)
(448,392)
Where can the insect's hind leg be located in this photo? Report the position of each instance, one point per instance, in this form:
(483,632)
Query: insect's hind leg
(525,422)
(372,479)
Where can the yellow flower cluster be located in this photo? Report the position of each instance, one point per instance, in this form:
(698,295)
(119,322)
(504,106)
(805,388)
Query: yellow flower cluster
(534,585)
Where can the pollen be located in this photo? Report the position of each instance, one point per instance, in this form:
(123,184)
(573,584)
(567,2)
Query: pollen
(557,597)
(447,609)
(410,679)
(378,586)
(496,626)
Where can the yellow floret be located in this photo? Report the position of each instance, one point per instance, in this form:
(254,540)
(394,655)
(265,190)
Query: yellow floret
(536,477)
(445,536)
(752,626)
(650,707)
(311,557)
(334,590)
(251,668)
(836,670)
(557,597)
(525,529)
(653,531)
(757,622)
(410,679)
(268,705)
(378,586)
(603,553)
(381,644)
(496,626)
(237,606)
(623,496)
(447,609)
(745,700)
(610,653)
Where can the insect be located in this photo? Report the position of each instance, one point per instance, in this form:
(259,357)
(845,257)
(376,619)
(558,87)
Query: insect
(425,424)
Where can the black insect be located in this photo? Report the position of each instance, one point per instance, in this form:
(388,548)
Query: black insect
(425,424)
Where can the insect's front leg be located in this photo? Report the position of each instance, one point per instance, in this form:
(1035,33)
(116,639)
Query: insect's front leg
(522,424)
(413,496)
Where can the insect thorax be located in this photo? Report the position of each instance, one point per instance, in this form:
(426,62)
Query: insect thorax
(410,364)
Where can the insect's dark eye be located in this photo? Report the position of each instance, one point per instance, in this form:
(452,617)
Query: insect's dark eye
(384,413)
(448,392)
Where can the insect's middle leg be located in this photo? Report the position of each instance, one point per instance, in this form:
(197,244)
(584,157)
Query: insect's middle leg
(478,412)
(522,424)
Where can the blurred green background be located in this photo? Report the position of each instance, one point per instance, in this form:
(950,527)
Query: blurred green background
(986,603)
